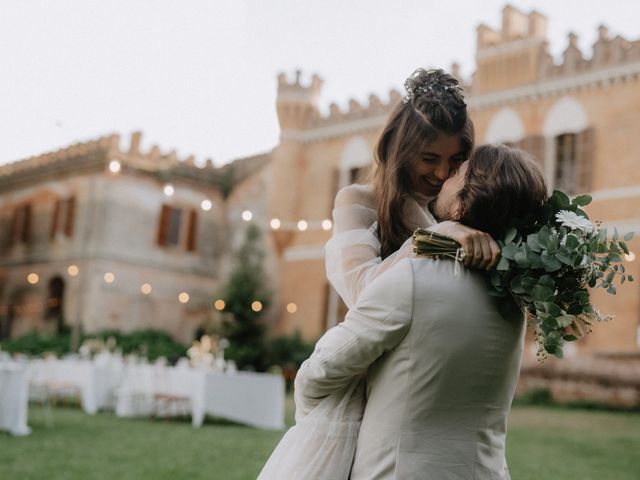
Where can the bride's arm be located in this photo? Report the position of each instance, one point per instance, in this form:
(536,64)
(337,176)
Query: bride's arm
(353,252)
(377,323)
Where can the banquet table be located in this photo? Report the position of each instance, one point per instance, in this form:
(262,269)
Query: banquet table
(159,390)
(14,397)
(255,399)
(94,381)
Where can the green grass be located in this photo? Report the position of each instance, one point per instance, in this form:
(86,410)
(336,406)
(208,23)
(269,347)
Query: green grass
(543,443)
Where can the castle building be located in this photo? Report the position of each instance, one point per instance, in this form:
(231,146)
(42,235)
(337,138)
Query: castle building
(99,238)
(580,118)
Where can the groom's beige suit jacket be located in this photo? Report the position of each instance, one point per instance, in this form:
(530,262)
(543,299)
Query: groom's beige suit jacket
(441,364)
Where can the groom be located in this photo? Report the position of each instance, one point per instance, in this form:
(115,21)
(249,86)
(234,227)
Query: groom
(441,362)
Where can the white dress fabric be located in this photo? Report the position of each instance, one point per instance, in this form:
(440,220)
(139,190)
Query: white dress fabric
(322,443)
(442,366)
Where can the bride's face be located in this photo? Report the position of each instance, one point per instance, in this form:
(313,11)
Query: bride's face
(435,163)
(447,204)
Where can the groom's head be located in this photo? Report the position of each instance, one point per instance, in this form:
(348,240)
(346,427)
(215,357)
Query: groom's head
(496,185)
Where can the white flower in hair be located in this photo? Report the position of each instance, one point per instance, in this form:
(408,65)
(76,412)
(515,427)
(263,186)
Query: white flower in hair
(574,221)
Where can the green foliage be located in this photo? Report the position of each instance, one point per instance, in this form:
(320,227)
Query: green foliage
(289,351)
(549,261)
(149,343)
(242,326)
(226,181)
(36,344)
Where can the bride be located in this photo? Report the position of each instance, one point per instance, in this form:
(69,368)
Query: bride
(426,138)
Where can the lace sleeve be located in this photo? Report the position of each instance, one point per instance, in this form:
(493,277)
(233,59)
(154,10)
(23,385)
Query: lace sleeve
(352,255)
(353,252)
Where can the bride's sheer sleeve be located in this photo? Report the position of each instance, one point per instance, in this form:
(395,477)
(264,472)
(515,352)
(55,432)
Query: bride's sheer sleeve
(352,255)
(353,252)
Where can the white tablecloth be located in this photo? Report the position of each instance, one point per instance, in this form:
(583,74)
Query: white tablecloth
(14,397)
(255,399)
(95,380)
(159,390)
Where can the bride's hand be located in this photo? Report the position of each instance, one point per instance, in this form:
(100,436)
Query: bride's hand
(481,251)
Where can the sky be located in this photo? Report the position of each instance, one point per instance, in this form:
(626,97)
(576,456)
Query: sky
(200,76)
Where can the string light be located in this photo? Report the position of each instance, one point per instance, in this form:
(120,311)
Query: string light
(168,190)
(302,225)
(327,224)
(109,277)
(256,306)
(292,308)
(247,215)
(183,297)
(73,270)
(114,166)
(146,288)
(206,205)
(219,304)
(275,223)
(33,278)
(630,257)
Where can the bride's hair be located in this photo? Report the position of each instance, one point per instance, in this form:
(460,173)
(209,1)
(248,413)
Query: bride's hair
(501,184)
(434,104)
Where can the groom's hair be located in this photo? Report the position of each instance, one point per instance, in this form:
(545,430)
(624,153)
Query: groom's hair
(502,184)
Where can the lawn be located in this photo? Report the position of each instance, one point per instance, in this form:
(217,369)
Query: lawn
(543,443)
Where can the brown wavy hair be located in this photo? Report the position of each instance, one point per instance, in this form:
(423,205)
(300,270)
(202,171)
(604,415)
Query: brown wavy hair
(502,184)
(434,105)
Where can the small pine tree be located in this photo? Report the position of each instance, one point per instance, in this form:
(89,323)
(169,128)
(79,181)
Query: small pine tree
(246,285)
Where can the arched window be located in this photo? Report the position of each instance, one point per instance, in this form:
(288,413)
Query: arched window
(570,147)
(505,127)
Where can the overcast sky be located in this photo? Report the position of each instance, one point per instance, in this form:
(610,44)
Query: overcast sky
(199,76)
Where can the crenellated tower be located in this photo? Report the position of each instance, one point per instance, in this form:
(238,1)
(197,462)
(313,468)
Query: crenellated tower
(297,107)
(297,104)
(513,56)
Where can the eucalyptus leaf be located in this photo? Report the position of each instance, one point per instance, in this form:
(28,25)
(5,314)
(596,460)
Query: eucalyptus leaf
(533,242)
(503,264)
(509,235)
(582,200)
(550,262)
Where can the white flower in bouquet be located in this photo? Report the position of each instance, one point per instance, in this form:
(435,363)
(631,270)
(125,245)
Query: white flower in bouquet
(574,221)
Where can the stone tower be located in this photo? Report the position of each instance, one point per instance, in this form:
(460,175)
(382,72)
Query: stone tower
(514,56)
(297,107)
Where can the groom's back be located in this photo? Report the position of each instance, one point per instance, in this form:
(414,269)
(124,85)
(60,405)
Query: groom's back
(438,402)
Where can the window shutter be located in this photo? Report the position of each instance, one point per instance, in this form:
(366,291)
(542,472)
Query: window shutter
(15,225)
(163,225)
(26,224)
(54,220)
(584,160)
(71,214)
(191,237)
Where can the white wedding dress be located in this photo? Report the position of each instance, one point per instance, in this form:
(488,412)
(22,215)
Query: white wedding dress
(321,445)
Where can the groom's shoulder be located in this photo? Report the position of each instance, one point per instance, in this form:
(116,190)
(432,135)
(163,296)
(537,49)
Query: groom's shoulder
(396,283)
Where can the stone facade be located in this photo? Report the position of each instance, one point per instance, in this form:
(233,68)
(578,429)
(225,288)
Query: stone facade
(98,226)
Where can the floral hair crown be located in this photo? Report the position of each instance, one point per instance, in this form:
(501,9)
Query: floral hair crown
(432,87)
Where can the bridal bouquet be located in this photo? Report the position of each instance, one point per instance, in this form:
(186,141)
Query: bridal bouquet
(548,263)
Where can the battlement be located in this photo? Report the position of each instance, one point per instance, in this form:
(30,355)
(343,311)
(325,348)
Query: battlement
(297,92)
(516,25)
(100,152)
(606,52)
(518,53)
